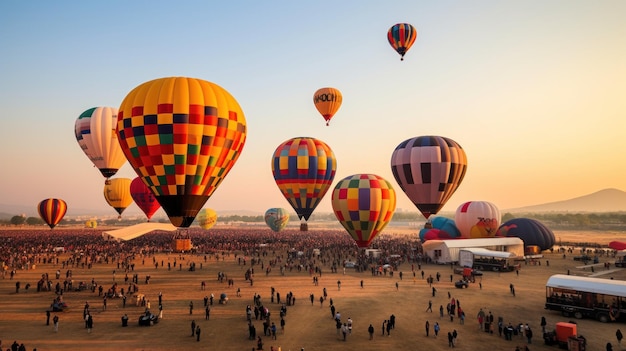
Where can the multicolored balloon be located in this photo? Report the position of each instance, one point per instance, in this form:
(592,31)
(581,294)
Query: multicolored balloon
(95,133)
(207,218)
(327,101)
(117,194)
(364,204)
(52,211)
(276,218)
(429,169)
(304,169)
(143,197)
(401,37)
(182,136)
(439,228)
(477,219)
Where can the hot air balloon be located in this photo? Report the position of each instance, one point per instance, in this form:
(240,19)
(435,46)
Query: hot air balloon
(327,101)
(143,197)
(531,231)
(401,36)
(364,204)
(304,169)
(182,136)
(439,228)
(477,219)
(207,218)
(429,169)
(117,194)
(95,133)
(52,211)
(276,218)
(617,245)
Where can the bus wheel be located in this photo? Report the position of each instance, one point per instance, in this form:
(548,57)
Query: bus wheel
(603,317)
(495,269)
(578,315)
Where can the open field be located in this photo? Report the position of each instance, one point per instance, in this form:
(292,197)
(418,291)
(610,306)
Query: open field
(308,326)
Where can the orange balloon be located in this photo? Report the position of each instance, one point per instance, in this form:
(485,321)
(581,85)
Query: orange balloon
(327,101)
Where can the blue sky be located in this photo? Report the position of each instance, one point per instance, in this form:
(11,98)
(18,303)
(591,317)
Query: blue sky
(532,90)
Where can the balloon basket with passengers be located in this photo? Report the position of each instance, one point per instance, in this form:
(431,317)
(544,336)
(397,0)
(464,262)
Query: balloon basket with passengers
(181,242)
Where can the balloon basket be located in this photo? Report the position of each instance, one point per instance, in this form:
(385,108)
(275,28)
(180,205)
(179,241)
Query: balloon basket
(181,241)
(304,227)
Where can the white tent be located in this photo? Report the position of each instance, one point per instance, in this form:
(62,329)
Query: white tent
(135,231)
(447,251)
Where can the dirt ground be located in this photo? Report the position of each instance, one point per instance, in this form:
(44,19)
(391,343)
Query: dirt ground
(308,326)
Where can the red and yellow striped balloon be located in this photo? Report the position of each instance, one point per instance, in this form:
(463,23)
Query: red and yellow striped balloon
(52,211)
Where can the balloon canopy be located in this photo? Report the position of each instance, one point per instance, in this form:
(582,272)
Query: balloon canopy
(477,219)
(182,136)
(276,218)
(207,218)
(143,197)
(401,37)
(440,228)
(429,169)
(364,204)
(95,133)
(52,211)
(304,169)
(117,193)
(617,245)
(531,231)
(327,101)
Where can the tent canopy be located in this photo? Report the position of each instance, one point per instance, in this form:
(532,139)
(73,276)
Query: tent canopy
(135,231)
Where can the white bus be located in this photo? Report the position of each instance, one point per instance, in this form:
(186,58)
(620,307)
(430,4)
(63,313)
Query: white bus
(584,297)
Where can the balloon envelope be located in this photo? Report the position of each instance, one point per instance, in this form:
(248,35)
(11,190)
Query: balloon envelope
(276,218)
(477,219)
(182,136)
(617,245)
(445,228)
(429,169)
(531,231)
(117,193)
(143,197)
(304,169)
(364,204)
(52,211)
(95,133)
(207,218)
(401,37)
(327,101)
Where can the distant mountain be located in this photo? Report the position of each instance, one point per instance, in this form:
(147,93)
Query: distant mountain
(606,200)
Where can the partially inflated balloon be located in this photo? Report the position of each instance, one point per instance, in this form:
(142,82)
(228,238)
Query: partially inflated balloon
(304,169)
(95,133)
(117,193)
(401,37)
(182,136)
(276,218)
(327,101)
(531,231)
(143,197)
(429,169)
(439,228)
(364,204)
(477,219)
(52,211)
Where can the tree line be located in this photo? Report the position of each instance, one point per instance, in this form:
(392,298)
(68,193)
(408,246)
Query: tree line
(553,220)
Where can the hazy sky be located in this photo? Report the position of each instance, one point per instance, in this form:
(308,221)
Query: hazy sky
(534,91)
